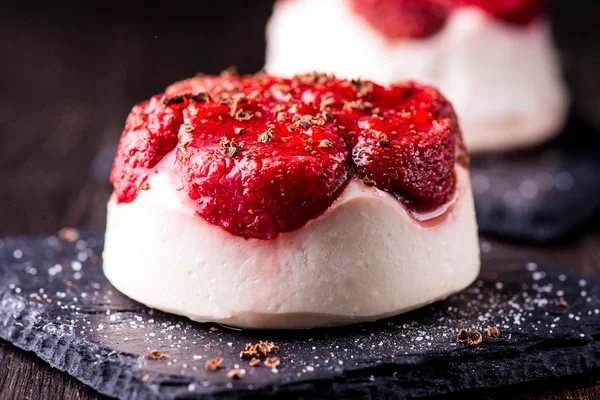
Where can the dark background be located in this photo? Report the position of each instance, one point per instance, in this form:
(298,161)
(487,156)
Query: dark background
(71,71)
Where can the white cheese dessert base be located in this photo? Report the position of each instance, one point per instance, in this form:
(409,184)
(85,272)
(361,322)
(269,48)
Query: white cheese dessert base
(363,259)
(504,81)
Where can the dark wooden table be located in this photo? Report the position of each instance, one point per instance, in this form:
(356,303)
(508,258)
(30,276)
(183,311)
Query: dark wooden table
(69,77)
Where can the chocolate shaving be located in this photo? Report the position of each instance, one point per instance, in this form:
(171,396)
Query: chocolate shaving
(492,331)
(188,128)
(236,102)
(285,89)
(362,88)
(214,364)
(562,303)
(254,362)
(243,115)
(235,374)
(325,143)
(230,147)
(249,351)
(272,362)
(145,186)
(35,296)
(202,97)
(327,100)
(357,105)
(157,355)
(178,98)
(258,350)
(266,136)
(469,337)
(369,182)
(239,131)
(281,116)
(305,124)
(314,78)
(354,173)
(185,143)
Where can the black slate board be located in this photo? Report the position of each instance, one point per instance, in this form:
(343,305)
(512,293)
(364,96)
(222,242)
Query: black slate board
(55,301)
(542,194)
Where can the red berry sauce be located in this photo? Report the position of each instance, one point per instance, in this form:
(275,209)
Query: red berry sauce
(262,155)
(399,19)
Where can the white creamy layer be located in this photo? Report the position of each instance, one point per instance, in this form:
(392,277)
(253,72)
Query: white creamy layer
(503,80)
(364,258)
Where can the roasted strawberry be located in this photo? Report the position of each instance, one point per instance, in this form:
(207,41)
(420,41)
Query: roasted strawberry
(262,155)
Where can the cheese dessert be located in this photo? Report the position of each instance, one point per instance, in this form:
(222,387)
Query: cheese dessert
(494,59)
(267,202)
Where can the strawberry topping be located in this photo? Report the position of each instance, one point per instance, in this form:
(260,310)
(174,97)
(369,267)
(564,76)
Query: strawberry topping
(398,19)
(403,18)
(261,155)
(518,12)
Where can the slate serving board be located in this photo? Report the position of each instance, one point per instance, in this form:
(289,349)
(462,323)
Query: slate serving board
(542,194)
(55,301)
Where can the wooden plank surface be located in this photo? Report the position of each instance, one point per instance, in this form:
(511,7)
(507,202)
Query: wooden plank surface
(69,77)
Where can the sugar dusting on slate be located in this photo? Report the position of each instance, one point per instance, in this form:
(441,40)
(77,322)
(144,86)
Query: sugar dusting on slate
(54,287)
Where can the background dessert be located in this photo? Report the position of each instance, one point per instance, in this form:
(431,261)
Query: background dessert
(494,60)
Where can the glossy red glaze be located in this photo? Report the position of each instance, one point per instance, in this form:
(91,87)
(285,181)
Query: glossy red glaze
(398,19)
(262,155)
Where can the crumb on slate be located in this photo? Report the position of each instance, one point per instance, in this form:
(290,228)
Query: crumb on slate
(213,364)
(562,303)
(272,362)
(260,349)
(71,235)
(35,296)
(214,329)
(157,355)
(469,337)
(492,331)
(235,374)
(254,362)
(145,377)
